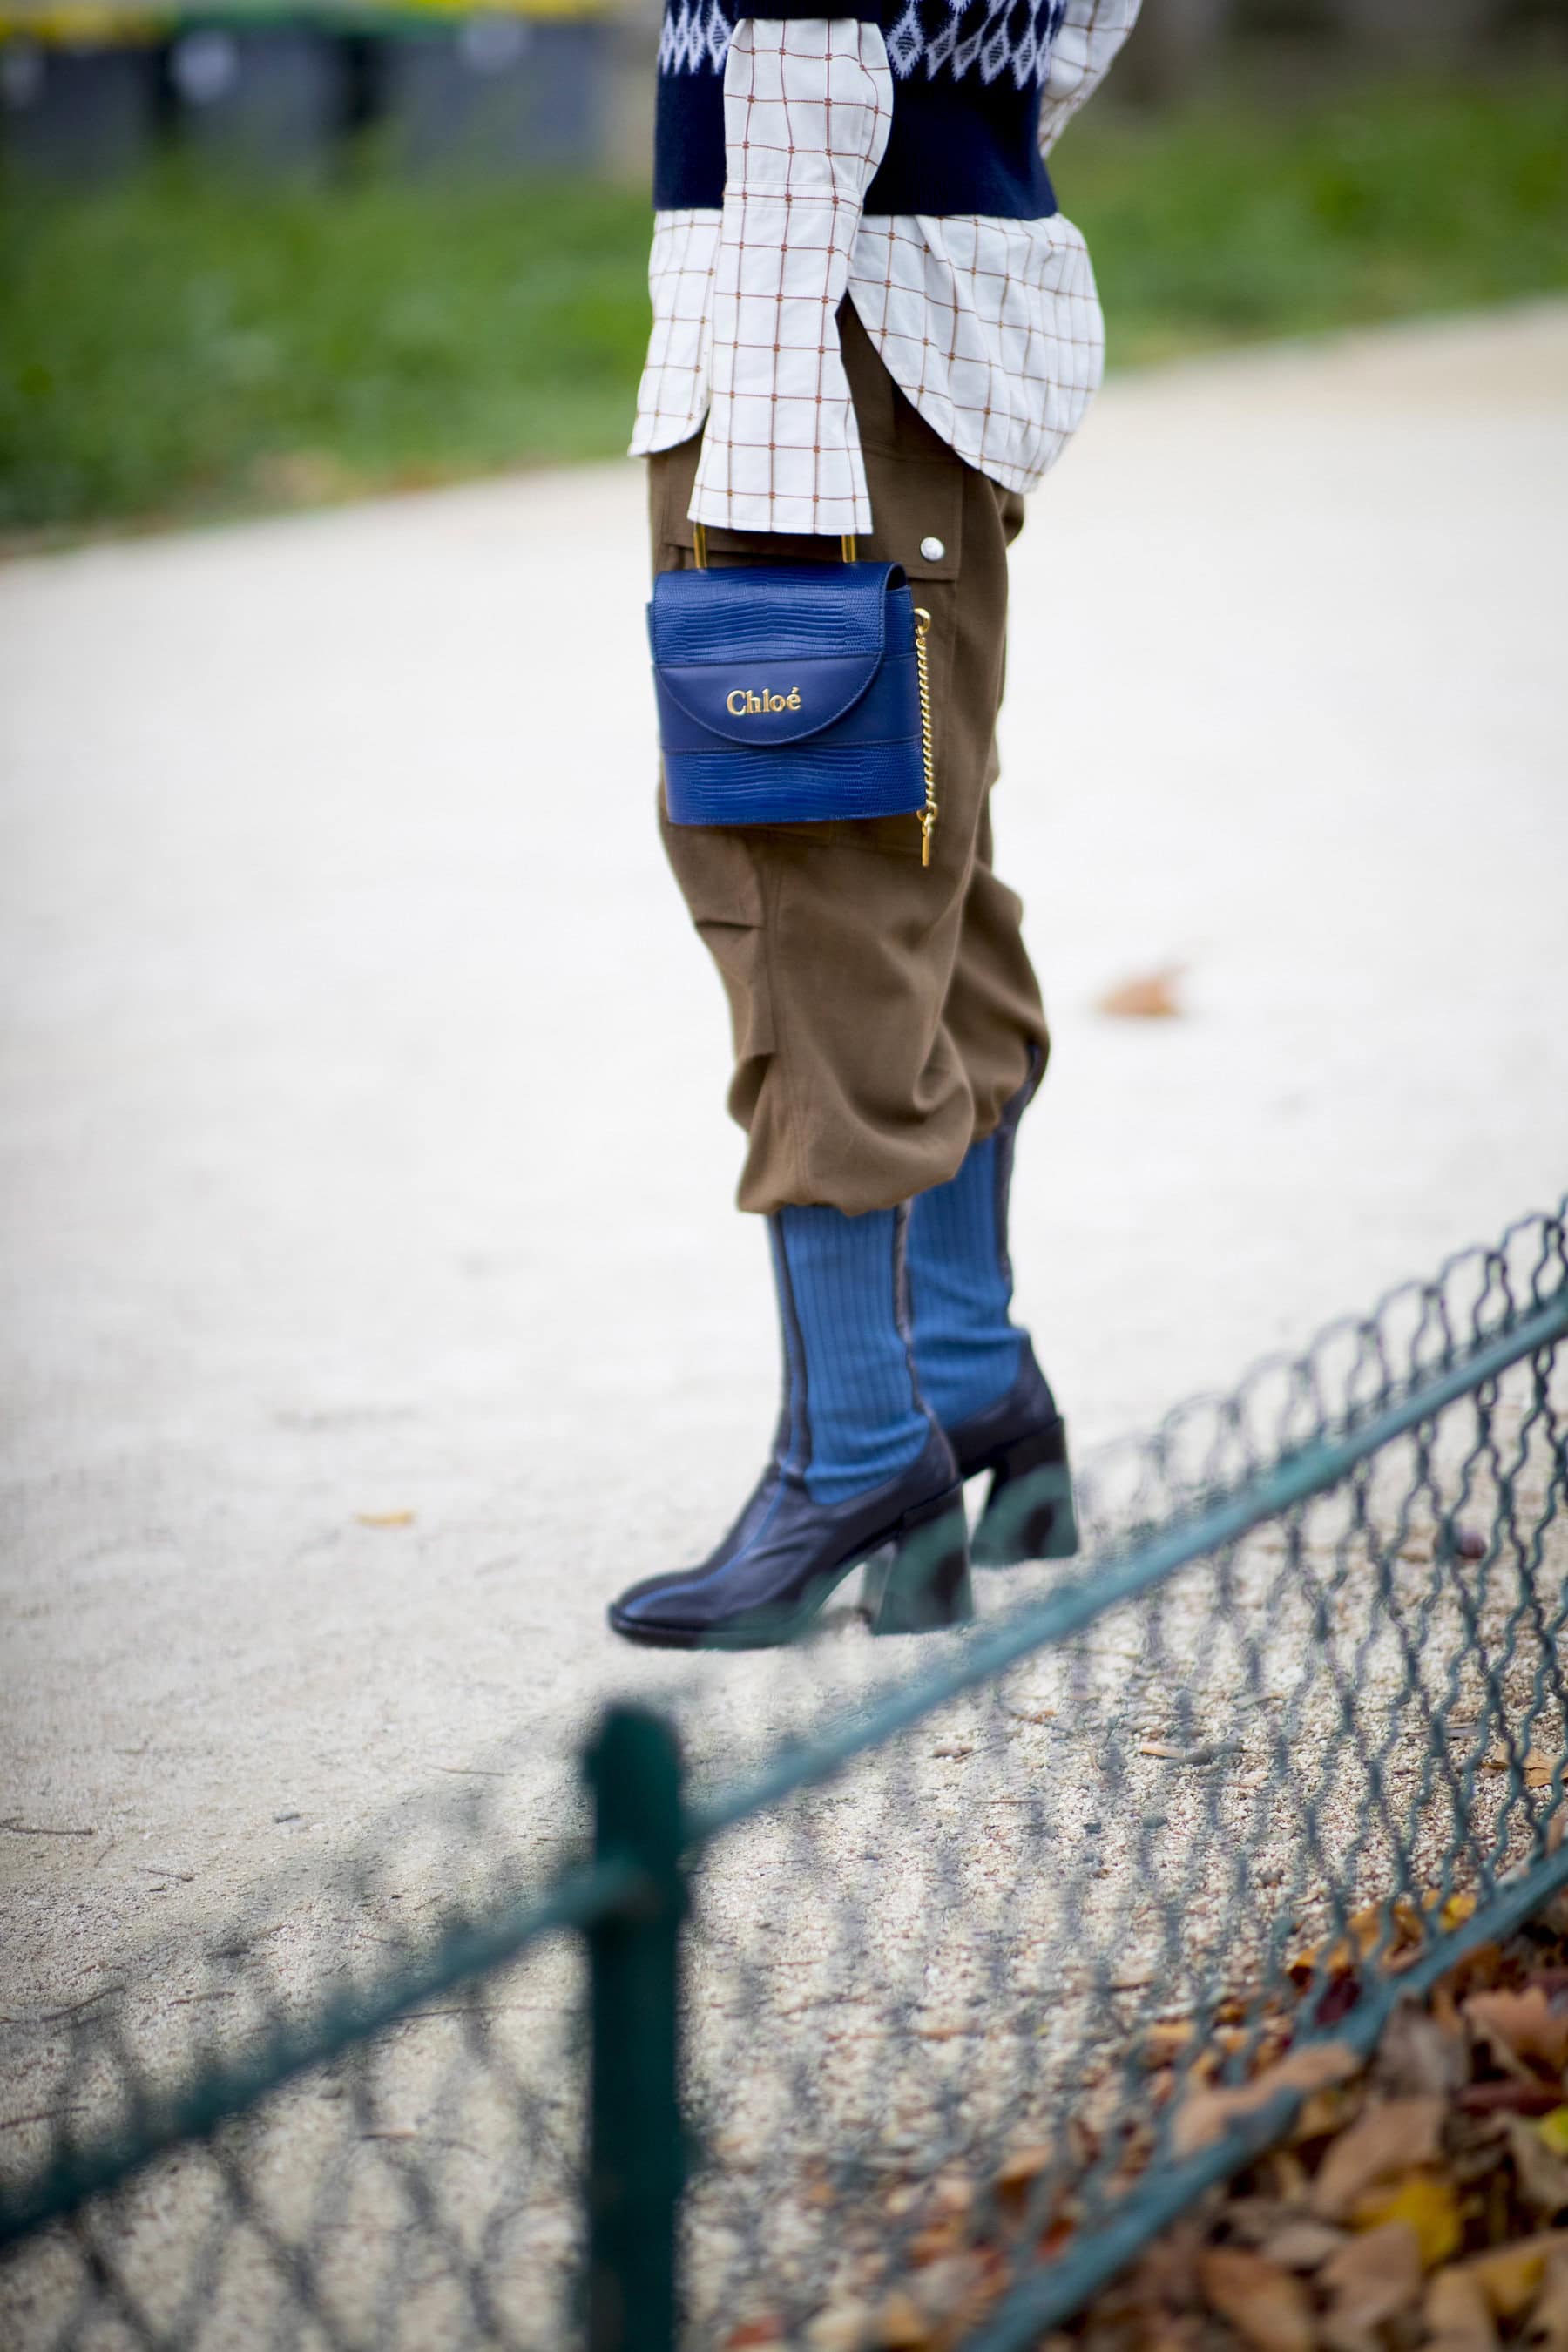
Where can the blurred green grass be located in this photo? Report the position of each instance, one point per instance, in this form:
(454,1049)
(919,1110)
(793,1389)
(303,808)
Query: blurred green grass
(190,345)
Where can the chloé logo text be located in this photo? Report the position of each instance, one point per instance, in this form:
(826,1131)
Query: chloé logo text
(741,703)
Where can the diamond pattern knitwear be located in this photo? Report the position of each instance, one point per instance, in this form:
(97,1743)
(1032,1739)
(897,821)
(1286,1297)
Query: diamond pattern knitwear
(894,157)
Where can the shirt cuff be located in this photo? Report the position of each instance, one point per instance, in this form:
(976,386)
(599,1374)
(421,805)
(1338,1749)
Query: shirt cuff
(808,109)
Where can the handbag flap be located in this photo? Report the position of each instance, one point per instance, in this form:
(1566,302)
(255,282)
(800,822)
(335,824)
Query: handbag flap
(772,654)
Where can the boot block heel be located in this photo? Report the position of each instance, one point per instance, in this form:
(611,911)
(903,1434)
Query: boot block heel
(921,1583)
(1029,1513)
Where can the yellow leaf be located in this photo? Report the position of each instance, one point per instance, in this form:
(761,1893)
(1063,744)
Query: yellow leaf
(1428,2204)
(1510,2276)
(1554,2130)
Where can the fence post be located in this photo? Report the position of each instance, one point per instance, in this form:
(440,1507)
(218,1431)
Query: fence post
(635,2141)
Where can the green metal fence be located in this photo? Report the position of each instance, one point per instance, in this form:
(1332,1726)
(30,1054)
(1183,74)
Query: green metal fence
(893,2031)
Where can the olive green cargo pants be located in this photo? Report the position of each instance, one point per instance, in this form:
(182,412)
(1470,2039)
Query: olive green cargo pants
(883,1011)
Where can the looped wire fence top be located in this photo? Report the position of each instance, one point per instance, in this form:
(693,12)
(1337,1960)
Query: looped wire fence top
(1302,1690)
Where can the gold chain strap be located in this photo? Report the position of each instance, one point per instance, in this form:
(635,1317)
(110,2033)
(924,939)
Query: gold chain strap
(929,814)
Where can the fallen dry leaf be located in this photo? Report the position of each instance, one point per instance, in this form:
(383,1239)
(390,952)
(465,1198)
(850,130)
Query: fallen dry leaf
(938,2242)
(1541,2174)
(1022,2167)
(848,2327)
(1547,2328)
(1426,2203)
(1202,2118)
(1388,2171)
(1288,2176)
(1325,2112)
(1521,2025)
(1418,2058)
(1458,2317)
(1151,997)
(1301,2243)
(1165,2276)
(1266,2306)
(1399,1927)
(1537,1766)
(1388,2139)
(1372,2278)
(950,2291)
(900,2326)
(1364,1932)
(1511,2276)
(1518,2096)
(1165,2040)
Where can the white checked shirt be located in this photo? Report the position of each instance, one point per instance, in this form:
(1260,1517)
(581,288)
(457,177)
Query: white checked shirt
(991,328)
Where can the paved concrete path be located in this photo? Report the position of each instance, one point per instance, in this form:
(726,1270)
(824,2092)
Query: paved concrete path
(360,1101)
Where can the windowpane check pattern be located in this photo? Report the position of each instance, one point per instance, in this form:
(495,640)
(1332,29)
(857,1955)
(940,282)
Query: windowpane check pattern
(991,328)
(807,108)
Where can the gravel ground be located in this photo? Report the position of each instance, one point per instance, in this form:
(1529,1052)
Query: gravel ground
(373,1305)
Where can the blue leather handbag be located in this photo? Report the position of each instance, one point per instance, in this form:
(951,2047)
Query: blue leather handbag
(789,694)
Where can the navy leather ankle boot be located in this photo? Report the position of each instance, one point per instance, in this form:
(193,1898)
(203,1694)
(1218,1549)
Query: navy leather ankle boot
(1022,1440)
(976,1368)
(860,1470)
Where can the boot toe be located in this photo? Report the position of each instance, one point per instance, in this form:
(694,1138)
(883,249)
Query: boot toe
(653,1610)
(775,1572)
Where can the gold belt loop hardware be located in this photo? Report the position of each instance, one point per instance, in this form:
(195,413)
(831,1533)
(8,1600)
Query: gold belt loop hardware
(928,815)
(699,544)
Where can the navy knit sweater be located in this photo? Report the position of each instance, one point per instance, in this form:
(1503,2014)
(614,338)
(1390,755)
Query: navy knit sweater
(966,102)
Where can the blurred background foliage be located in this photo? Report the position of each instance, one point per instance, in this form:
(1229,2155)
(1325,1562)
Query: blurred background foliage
(189,340)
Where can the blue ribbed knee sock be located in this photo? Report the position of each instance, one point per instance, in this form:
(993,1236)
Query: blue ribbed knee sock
(967,1351)
(853,1414)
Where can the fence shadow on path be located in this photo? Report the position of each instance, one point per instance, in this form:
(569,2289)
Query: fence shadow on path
(910,2023)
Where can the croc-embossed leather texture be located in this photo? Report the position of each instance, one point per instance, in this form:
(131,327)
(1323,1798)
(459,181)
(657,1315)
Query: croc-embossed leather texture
(787,694)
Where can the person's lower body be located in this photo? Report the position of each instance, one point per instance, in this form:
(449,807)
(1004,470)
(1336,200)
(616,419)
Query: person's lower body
(888,1032)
